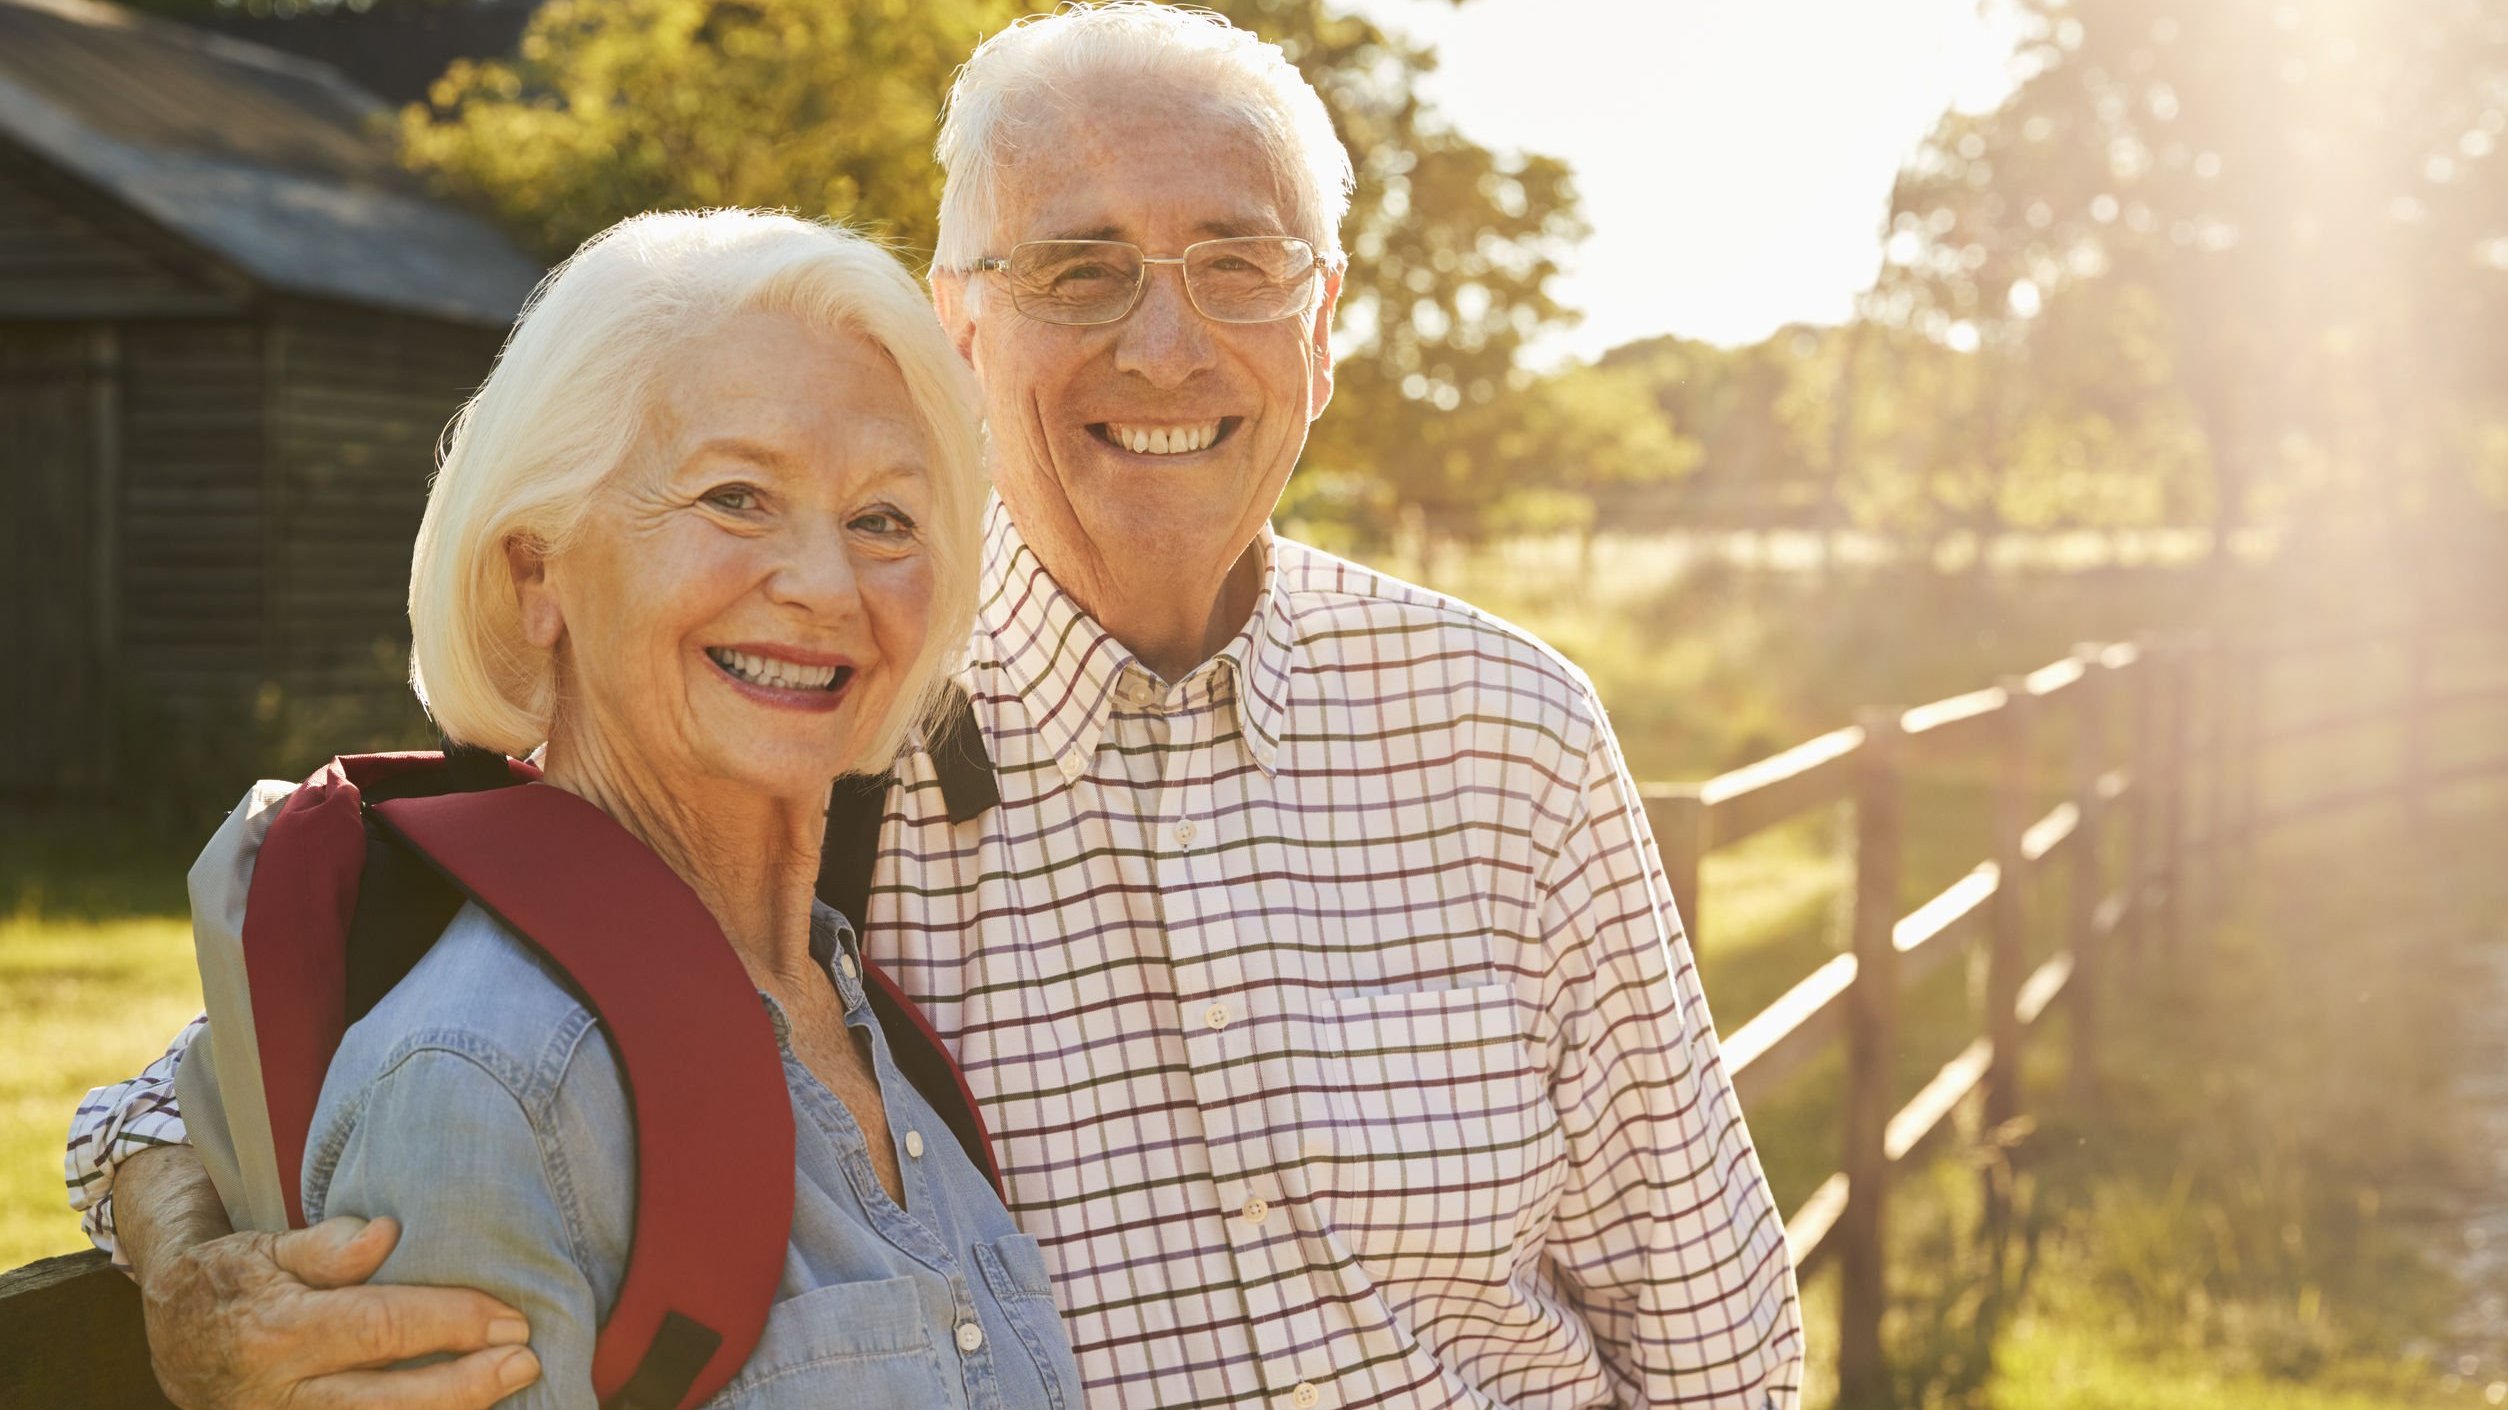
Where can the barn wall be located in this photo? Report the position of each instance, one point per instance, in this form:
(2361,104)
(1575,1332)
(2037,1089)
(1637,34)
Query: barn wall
(66,254)
(358,401)
(55,565)
(192,547)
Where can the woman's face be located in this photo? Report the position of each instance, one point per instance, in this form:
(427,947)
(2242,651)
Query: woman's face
(751,589)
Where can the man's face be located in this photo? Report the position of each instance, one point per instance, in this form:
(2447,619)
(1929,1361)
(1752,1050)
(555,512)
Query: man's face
(1065,405)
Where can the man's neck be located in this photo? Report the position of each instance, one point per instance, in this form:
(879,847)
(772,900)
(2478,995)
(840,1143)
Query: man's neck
(1169,625)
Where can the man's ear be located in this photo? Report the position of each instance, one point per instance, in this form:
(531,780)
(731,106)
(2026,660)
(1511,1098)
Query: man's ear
(543,618)
(953,300)
(1319,393)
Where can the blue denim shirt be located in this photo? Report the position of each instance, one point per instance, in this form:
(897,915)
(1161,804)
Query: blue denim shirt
(479,1104)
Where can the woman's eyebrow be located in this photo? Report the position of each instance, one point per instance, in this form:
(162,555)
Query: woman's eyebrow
(736,448)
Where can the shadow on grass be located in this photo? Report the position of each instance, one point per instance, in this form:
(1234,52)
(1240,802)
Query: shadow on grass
(67,866)
(2246,1209)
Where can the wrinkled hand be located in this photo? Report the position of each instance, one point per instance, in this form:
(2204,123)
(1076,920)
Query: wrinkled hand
(257,1321)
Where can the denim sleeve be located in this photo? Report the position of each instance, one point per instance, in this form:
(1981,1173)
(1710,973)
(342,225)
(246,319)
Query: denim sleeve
(443,1146)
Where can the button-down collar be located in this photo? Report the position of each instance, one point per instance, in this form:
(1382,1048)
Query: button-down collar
(1073,674)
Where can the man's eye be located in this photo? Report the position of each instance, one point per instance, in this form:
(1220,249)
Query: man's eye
(1081,274)
(738,499)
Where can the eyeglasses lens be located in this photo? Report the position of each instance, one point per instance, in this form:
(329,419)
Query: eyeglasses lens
(1253,279)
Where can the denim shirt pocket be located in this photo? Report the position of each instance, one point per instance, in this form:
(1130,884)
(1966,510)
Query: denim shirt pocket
(1014,1268)
(842,1346)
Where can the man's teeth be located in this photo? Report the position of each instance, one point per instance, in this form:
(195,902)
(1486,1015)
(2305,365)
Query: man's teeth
(767,670)
(1163,440)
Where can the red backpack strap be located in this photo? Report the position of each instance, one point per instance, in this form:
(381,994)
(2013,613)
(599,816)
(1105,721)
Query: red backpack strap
(924,1060)
(695,1048)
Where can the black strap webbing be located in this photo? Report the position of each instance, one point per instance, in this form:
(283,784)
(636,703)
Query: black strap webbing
(670,1365)
(855,811)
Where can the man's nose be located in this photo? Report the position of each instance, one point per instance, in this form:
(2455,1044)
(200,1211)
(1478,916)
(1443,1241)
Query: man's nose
(1166,340)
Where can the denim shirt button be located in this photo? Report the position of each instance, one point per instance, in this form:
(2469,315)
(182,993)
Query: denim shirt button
(914,1146)
(970,1337)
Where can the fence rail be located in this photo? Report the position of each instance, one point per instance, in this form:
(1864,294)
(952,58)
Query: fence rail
(2174,803)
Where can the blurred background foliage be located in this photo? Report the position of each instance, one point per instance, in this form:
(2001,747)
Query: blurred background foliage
(2235,265)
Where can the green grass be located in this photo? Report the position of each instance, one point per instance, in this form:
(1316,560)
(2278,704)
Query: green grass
(2239,1222)
(87,1002)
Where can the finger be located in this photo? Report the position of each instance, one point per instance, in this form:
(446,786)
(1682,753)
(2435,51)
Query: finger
(376,1326)
(336,1253)
(474,1382)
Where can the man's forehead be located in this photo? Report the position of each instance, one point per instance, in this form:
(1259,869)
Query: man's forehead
(1142,167)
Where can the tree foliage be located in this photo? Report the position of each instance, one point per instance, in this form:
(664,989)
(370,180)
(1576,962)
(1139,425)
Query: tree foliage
(2278,228)
(616,106)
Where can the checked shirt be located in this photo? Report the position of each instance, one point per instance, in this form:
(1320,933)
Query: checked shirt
(1333,1022)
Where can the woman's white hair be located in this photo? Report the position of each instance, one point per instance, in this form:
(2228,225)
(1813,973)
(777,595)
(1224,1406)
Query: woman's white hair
(566,406)
(1045,65)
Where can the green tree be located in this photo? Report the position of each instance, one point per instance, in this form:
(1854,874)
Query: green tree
(2292,215)
(616,106)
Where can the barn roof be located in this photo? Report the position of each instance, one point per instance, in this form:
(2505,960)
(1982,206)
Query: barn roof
(277,165)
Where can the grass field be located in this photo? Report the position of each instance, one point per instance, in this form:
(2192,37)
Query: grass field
(2243,1220)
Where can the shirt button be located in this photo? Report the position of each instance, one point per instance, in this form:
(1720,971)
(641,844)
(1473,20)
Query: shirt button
(845,963)
(1256,1210)
(1216,1016)
(1306,1397)
(914,1145)
(971,1338)
(1071,765)
(1184,833)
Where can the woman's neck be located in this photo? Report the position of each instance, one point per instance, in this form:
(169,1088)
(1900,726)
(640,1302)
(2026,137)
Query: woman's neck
(752,859)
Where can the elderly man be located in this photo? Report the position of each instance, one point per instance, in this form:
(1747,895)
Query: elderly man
(1313,965)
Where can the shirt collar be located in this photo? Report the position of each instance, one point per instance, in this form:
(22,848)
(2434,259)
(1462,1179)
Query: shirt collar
(1069,670)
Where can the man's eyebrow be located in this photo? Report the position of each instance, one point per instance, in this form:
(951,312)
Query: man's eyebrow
(1094,232)
(1234,227)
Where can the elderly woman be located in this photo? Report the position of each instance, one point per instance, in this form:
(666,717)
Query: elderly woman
(707,533)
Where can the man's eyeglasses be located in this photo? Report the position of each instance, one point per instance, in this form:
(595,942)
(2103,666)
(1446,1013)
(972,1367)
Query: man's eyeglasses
(1243,279)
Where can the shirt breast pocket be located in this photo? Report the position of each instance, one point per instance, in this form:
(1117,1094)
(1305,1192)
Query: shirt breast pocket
(1445,1147)
(841,1346)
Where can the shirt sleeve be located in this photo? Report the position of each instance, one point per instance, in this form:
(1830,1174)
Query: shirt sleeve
(116,1122)
(443,1146)
(1667,1238)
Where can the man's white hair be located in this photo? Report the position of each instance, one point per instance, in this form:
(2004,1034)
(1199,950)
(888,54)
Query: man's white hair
(1047,65)
(567,405)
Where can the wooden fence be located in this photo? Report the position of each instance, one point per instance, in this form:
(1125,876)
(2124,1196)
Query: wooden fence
(2165,766)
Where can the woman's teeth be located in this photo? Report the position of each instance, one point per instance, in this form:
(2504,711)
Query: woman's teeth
(766,670)
(1163,440)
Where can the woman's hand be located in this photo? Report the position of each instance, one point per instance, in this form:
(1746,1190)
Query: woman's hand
(284,1320)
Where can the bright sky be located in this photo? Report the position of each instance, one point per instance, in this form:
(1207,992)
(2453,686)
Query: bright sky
(1734,156)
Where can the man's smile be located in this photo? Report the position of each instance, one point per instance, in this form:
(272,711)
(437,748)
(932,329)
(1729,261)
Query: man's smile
(1154,438)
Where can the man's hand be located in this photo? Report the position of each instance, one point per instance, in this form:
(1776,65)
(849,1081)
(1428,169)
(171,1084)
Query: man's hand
(281,1322)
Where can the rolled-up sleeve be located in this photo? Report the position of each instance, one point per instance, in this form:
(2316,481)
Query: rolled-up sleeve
(116,1122)
(1667,1238)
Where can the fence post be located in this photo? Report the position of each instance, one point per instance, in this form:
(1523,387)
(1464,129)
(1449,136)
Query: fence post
(2141,799)
(2205,777)
(2007,918)
(2169,866)
(2007,953)
(2416,718)
(2089,882)
(1679,818)
(1871,1047)
(2255,661)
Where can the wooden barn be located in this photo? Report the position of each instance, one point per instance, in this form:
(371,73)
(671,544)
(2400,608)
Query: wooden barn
(231,331)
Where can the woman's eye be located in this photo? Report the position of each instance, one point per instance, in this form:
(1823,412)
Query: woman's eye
(884,523)
(736,498)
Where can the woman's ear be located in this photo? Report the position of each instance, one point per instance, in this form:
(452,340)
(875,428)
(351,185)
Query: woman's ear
(543,618)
